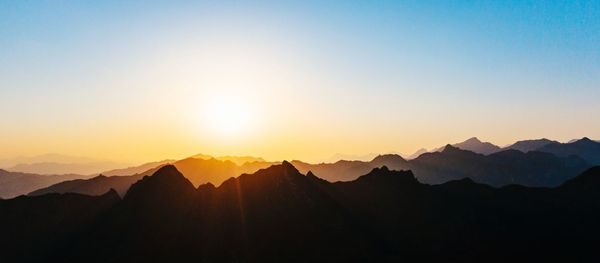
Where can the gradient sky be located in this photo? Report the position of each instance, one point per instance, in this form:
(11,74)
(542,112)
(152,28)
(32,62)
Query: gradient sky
(144,80)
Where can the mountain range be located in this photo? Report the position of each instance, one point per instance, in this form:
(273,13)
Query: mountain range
(538,163)
(538,169)
(53,164)
(197,170)
(279,214)
(13,184)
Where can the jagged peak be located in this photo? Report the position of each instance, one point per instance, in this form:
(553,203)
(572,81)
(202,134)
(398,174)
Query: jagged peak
(450,148)
(165,180)
(112,193)
(473,139)
(584,140)
(384,171)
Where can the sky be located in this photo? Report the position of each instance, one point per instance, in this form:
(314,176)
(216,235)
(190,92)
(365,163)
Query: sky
(147,80)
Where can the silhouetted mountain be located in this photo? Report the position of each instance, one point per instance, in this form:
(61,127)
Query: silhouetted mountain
(137,169)
(13,184)
(392,161)
(50,158)
(238,160)
(498,169)
(350,170)
(94,186)
(585,148)
(529,145)
(202,171)
(417,153)
(198,171)
(278,214)
(35,229)
(589,181)
(477,146)
(49,168)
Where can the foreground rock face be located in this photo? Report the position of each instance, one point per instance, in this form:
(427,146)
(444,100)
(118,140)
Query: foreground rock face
(279,214)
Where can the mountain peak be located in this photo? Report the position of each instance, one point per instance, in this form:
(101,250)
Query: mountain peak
(383,175)
(475,145)
(449,148)
(387,159)
(112,194)
(165,181)
(473,140)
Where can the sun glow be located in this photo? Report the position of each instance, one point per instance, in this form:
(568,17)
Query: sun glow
(228,116)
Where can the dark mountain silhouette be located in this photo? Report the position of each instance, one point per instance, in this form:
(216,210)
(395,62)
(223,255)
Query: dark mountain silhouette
(529,145)
(350,170)
(417,153)
(476,146)
(198,171)
(94,186)
(498,169)
(278,214)
(136,169)
(34,229)
(503,168)
(585,148)
(13,184)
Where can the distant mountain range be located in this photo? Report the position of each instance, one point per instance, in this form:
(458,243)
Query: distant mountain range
(238,160)
(53,164)
(13,184)
(539,163)
(197,170)
(136,169)
(280,215)
(486,148)
(506,167)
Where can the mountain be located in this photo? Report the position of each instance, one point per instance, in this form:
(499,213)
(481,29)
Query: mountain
(238,160)
(350,170)
(202,171)
(35,228)
(47,168)
(534,169)
(52,164)
(136,169)
(477,146)
(13,184)
(46,158)
(417,153)
(350,157)
(276,214)
(585,148)
(529,145)
(198,171)
(279,214)
(502,168)
(94,186)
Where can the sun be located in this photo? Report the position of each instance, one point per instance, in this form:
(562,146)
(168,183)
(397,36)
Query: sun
(228,116)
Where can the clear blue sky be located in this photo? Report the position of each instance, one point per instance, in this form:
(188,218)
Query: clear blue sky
(98,77)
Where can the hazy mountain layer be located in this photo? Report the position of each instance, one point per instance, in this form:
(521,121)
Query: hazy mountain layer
(13,184)
(198,171)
